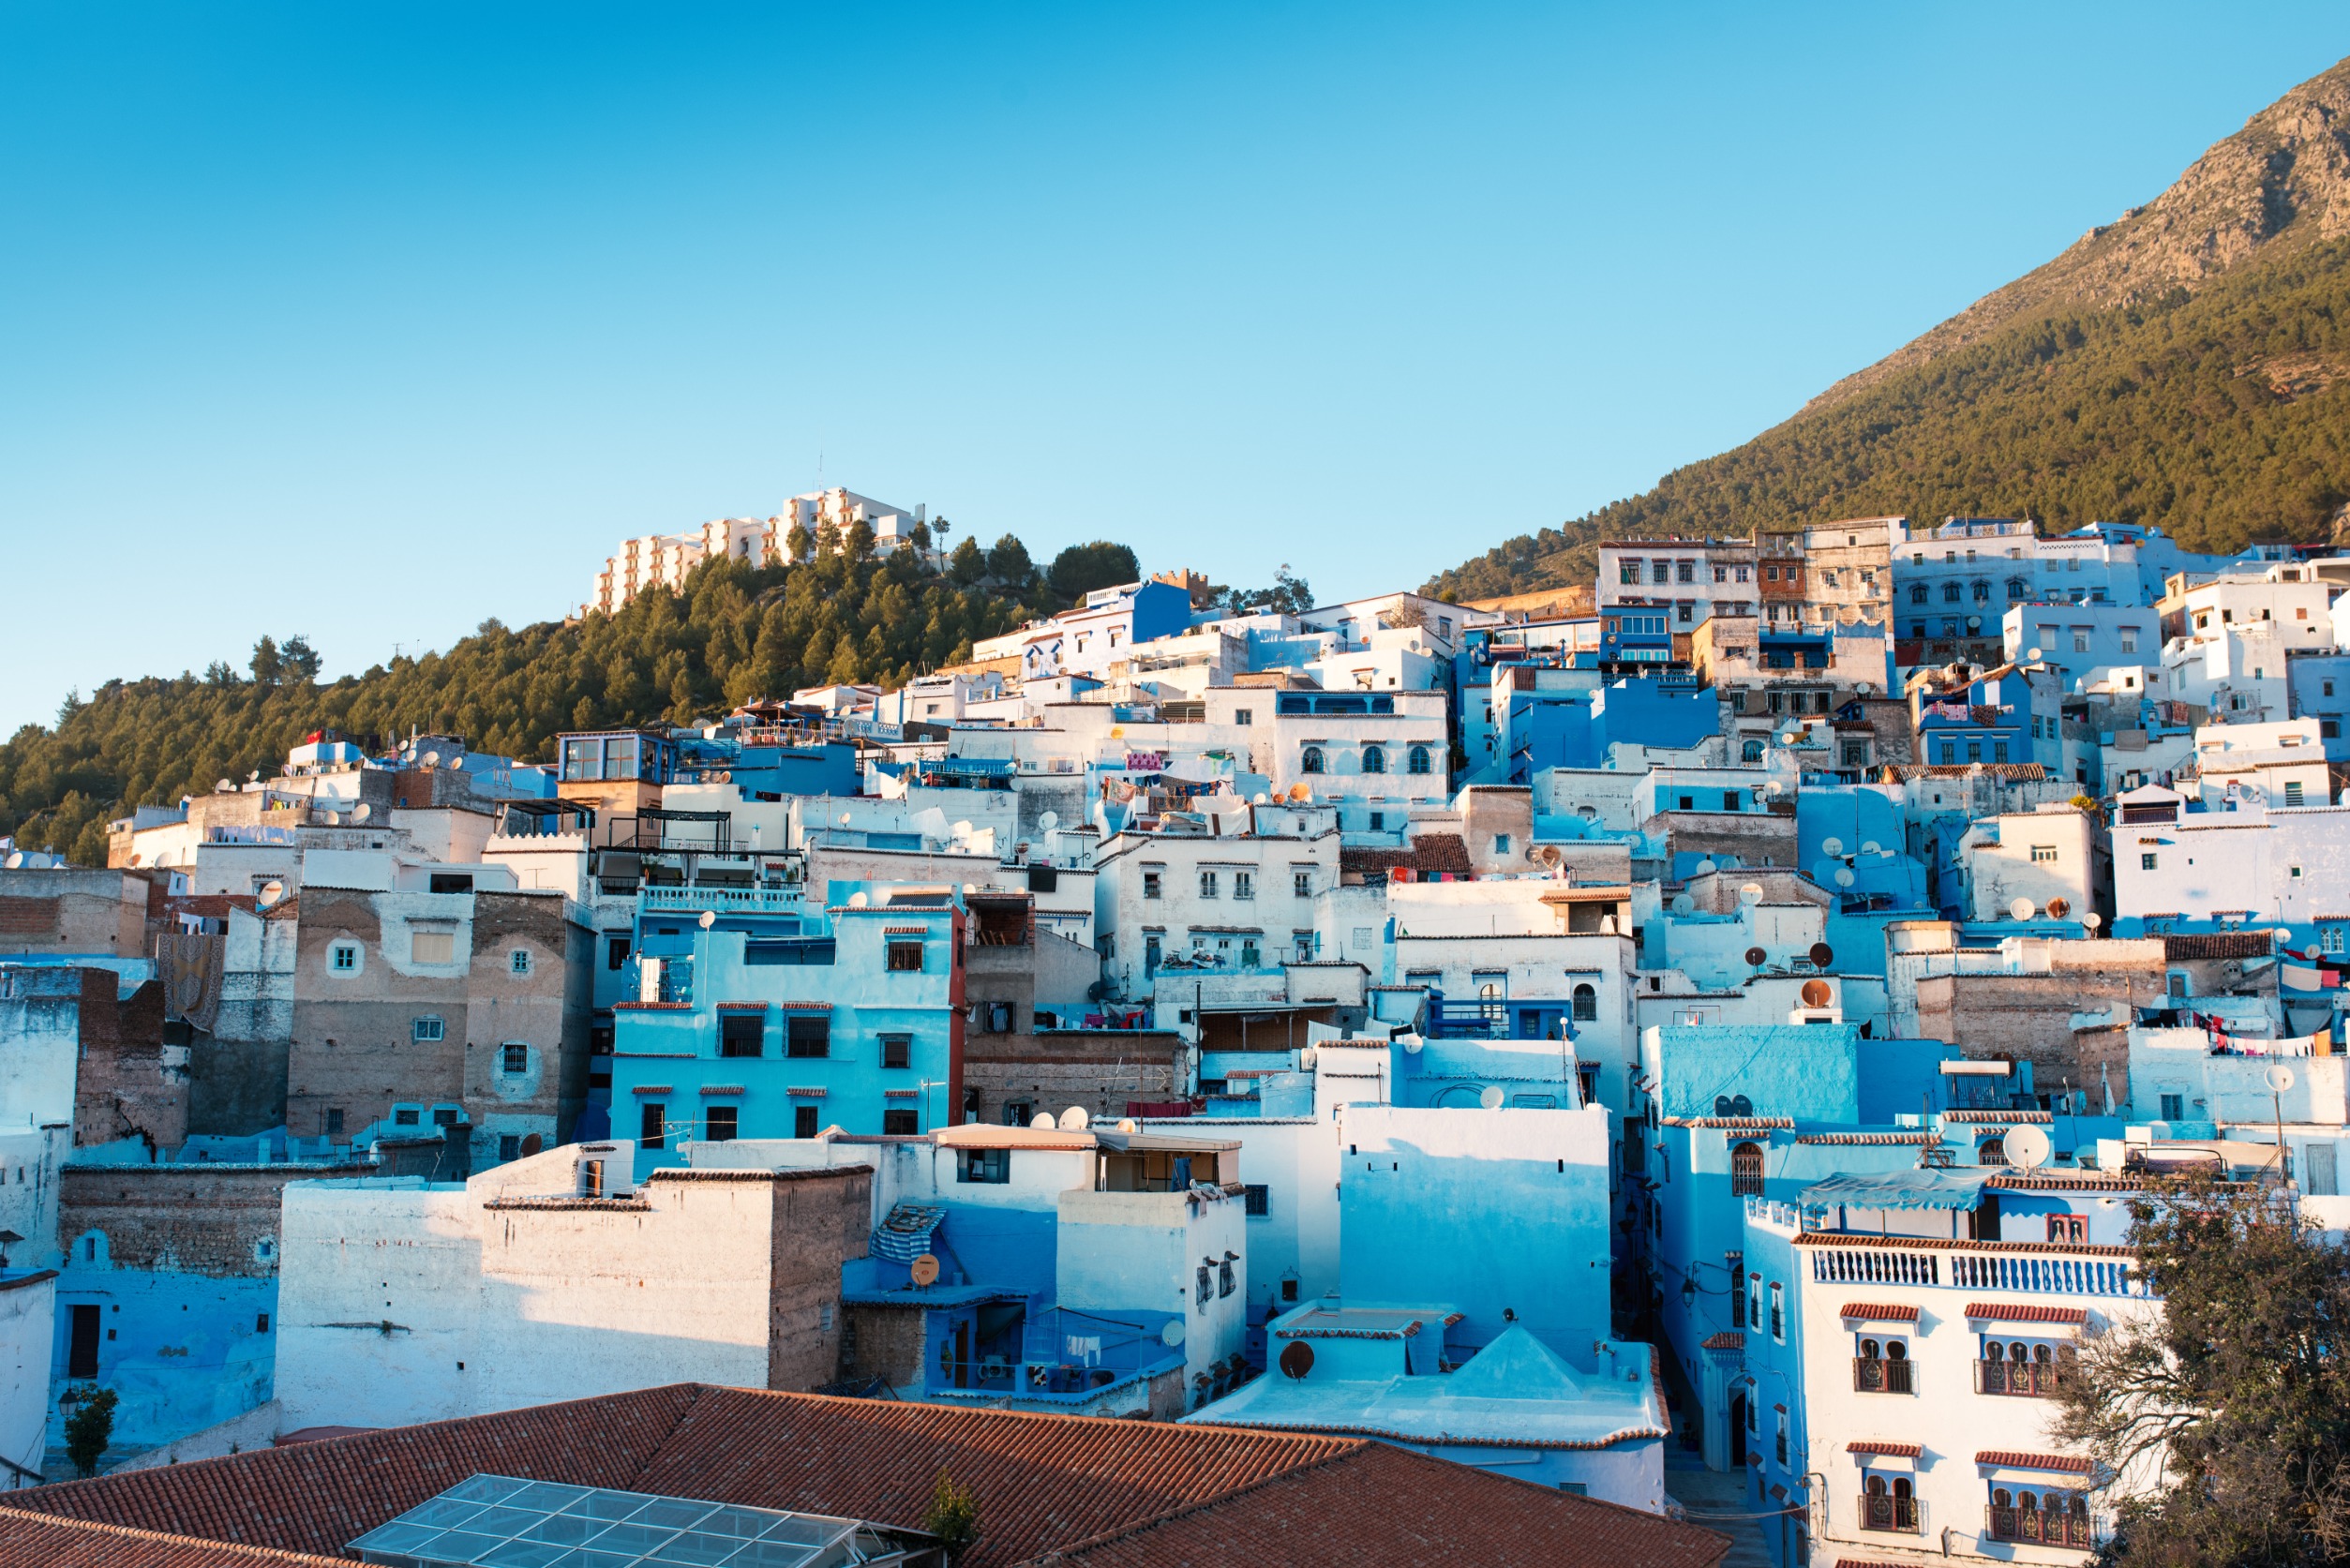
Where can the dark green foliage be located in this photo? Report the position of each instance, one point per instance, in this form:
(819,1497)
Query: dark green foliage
(737,632)
(2242,1376)
(2220,418)
(1082,568)
(953,1516)
(1289,593)
(1008,562)
(90,1428)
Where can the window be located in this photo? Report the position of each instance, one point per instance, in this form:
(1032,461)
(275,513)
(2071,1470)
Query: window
(719,1123)
(1737,1261)
(1751,751)
(898,1124)
(1628,573)
(1208,884)
(1310,762)
(334,1123)
(2173,1108)
(2129,639)
(742,1034)
(518,961)
(447,1115)
(1248,952)
(991,1165)
(1256,1195)
(906,958)
(1745,1168)
(615,952)
(897,1051)
(2329,939)
(1150,884)
(509,1148)
(1778,1312)
(1685,571)
(2329,729)
(427,1030)
(1301,884)
(2071,1228)
(1244,716)
(2149,861)
(1374,759)
(1501,844)
(1244,883)
(806,1034)
(1585,1009)
(2080,642)
(1918,594)
(406,1115)
(2043,852)
(1416,760)
(432,946)
(343,958)
(1949,593)
(2293,797)
(514,1058)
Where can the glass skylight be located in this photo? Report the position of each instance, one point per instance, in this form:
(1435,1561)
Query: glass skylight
(498,1521)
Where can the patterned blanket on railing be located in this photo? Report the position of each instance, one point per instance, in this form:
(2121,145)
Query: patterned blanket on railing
(191,964)
(905,1235)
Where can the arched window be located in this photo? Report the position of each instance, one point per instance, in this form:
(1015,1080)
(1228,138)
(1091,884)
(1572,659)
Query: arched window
(1586,1004)
(1311,762)
(1418,760)
(2002,1498)
(1751,751)
(1374,760)
(1994,1152)
(1993,1351)
(2018,588)
(1877,1486)
(1745,1168)
(1949,593)
(1983,591)
(1869,1351)
(1896,1350)
(1918,594)
(2043,1354)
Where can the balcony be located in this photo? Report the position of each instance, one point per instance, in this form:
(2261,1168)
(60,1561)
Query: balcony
(1878,1375)
(1879,1512)
(2046,1527)
(2036,1379)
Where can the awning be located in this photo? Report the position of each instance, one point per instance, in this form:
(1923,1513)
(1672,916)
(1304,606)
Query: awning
(905,1235)
(1901,1189)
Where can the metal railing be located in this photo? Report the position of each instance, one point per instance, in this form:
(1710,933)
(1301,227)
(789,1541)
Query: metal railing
(1879,1512)
(2032,1378)
(1879,1375)
(2048,1526)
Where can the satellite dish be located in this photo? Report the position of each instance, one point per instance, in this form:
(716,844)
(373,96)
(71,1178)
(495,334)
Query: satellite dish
(1682,903)
(1751,894)
(1863,688)
(1870,847)
(2283,933)
(2021,908)
(1296,1358)
(1043,1122)
(361,812)
(1817,994)
(2059,908)
(1833,846)
(2278,1077)
(1300,793)
(1821,954)
(710,918)
(2031,655)
(1707,868)
(847,819)
(15,860)
(1074,1119)
(2092,919)
(1049,821)
(432,759)
(1549,855)
(1261,798)
(1171,1333)
(926,1270)
(1491,1096)
(222,787)
(1974,623)
(1413,1045)
(1129,1125)
(2028,1148)
(1756,958)
(271,892)
(1844,877)
(859,901)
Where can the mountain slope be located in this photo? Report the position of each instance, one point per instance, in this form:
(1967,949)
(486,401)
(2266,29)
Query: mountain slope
(2177,368)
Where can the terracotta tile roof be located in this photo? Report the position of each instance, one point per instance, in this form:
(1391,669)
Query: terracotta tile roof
(1733,1124)
(1387,1505)
(1430,852)
(1998,1119)
(1901,771)
(1728,1339)
(2062,1464)
(2016,1312)
(1107,1492)
(1878,1445)
(2217,943)
(1879,1314)
(38,1538)
(1864,1138)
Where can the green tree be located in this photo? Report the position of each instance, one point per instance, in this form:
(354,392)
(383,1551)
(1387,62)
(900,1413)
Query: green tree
(298,660)
(1079,569)
(953,1516)
(967,567)
(90,1428)
(2241,1383)
(267,666)
(1008,562)
(858,540)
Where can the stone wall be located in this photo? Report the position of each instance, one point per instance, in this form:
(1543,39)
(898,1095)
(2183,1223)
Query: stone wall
(822,1220)
(130,1083)
(219,1221)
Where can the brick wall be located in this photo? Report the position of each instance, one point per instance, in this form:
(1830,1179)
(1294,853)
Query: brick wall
(130,1083)
(885,1342)
(1055,1075)
(186,1219)
(822,1220)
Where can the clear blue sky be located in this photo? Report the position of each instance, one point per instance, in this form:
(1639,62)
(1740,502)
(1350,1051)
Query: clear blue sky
(369,321)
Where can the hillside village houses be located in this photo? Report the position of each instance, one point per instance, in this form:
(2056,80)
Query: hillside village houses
(1690,1048)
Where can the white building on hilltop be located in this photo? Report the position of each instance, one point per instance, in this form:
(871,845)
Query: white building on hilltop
(666,559)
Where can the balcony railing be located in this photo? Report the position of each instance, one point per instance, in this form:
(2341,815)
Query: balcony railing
(2032,1378)
(1878,1375)
(2048,1526)
(1879,1512)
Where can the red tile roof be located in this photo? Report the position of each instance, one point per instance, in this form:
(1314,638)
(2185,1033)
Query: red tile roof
(1879,1313)
(2016,1313)
(1728,1339)
(2062,1464)
(1387,1505)
(1430,852)
(45,1539)
(1125,1492)
(2216,944)
(1876,1445)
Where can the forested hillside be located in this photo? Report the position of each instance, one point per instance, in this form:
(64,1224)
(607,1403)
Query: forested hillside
(739,632)
(2177,369)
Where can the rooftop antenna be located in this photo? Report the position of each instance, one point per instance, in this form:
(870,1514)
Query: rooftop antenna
(2278,1077)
